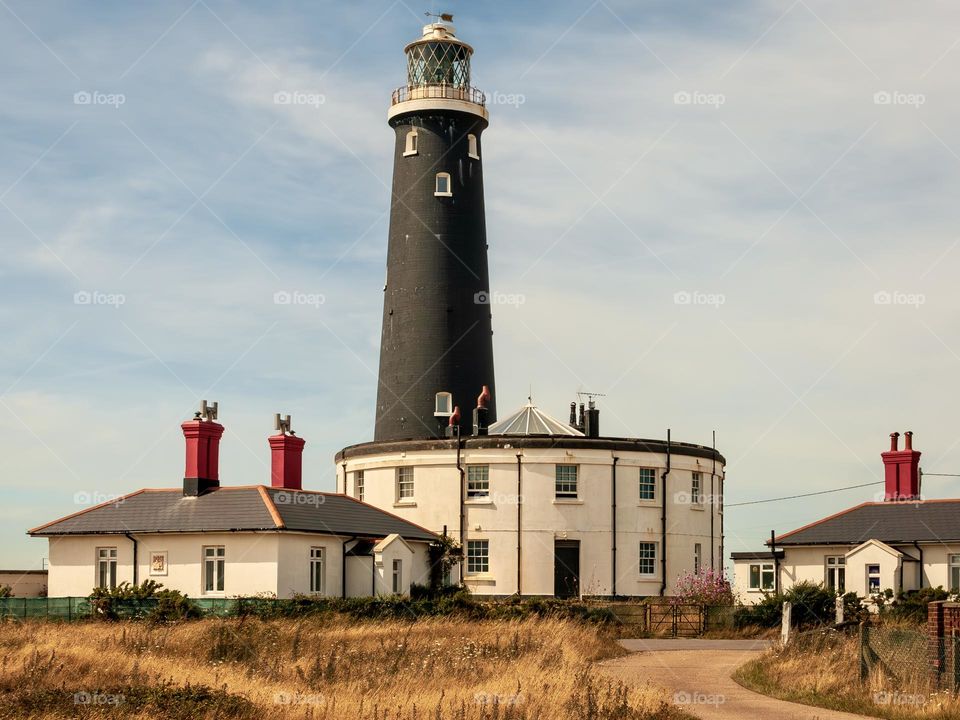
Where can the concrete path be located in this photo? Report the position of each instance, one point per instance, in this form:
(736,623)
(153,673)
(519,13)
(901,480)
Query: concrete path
(697,674)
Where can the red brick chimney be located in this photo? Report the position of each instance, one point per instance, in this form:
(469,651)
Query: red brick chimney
(901,469)
(202,435)
(286,457)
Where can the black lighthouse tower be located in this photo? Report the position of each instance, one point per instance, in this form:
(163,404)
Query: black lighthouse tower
(437,333)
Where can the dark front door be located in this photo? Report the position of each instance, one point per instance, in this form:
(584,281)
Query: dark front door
(566,568)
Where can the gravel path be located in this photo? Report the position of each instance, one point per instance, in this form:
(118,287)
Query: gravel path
(697,673)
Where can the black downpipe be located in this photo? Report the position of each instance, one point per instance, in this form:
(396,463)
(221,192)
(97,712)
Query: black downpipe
(919,565)
(713,501)
(776,562)
(613,533)
(343,557)
(463,509)
(345,479)
(663,523)
(519,526)
(135,569)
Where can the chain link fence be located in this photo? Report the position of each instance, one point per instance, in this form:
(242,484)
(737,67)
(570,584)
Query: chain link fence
(897,653)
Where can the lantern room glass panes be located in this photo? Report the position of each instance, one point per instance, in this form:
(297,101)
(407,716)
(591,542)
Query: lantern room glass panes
(438,63)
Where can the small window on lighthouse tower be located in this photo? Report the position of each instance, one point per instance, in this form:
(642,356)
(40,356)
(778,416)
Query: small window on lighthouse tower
(443,188)
(472,147)
(411,146)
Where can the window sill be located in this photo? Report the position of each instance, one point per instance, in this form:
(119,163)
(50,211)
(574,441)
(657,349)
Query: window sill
(410,153)
(648,578)
(567,501)
(478,501)
(648,503)
(474,157)
(697,506)
(405,503)
(440,194)
(480,579)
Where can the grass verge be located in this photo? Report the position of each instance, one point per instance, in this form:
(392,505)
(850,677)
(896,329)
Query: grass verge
(822,670)
(321,668)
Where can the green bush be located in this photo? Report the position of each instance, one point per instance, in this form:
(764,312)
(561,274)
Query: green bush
(813,604)
(147,600)
(911,606)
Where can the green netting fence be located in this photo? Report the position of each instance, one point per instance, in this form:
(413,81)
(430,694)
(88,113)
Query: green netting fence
(79,608)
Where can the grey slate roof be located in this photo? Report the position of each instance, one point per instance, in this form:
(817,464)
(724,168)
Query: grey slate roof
(888,522)
(340,515)
(228,509)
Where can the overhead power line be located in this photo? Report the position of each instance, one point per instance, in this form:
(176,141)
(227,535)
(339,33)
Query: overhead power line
(794,497)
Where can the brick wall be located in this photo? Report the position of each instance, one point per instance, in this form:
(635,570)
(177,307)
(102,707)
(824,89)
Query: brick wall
(943,629)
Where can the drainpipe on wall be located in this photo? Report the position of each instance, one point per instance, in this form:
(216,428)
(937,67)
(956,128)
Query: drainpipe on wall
(519,526)
(919,565)
(463,508)
(613,533)
(135,569)
(723,476)
(344,478)
(713,501)
(343,559)
(776,563)
(663,523)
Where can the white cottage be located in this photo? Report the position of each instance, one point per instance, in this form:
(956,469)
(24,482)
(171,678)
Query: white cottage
(903,542)
(208,540)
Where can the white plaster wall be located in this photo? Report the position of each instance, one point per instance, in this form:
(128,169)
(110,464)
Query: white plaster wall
(293,568)
(359,576)
(251,562)
(545,518)
(396,550)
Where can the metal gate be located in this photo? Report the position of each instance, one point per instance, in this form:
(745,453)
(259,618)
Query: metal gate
(676,620)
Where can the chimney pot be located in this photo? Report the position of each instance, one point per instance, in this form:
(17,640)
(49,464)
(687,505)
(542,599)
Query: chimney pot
(901,470)
(286,461)
(202,467)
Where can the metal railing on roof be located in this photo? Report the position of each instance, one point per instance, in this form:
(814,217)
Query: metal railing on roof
(442,91)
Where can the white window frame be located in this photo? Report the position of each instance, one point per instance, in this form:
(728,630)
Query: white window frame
(696,488)
(649,553)
(397,567)
(869,574)
(472,149)
(213,565)
(697,558)
(652,484)
(106,576)
(411,144)
(436,188)
(763,568)
(478,482)
(478,557)
(566,493)
(835,573)
(405,485)
(358,484)
(954,571)
(318,571)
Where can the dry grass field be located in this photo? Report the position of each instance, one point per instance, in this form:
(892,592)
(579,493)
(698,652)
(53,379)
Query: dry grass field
(825,671)
(437,669)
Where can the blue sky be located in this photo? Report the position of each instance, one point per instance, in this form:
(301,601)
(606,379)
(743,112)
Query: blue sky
(778,164)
